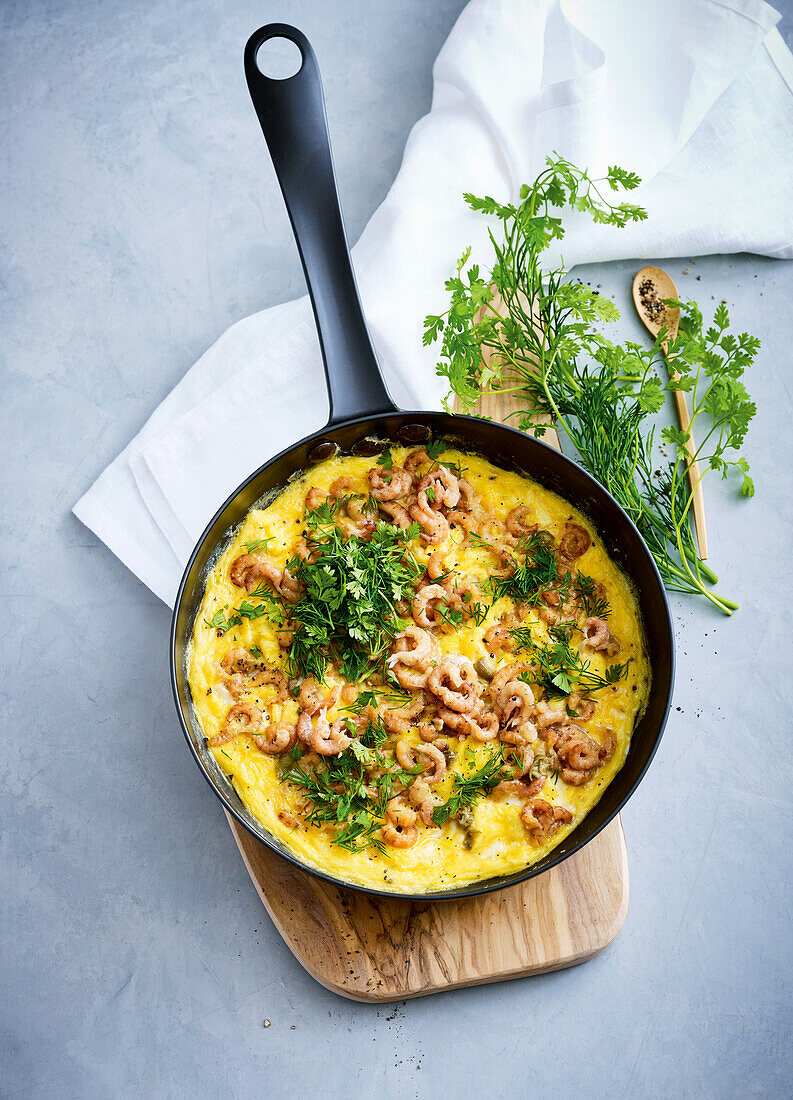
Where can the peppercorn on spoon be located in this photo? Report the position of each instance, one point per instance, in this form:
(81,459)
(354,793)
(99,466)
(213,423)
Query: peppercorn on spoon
(650,287)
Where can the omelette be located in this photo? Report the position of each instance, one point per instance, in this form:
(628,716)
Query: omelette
(418,671)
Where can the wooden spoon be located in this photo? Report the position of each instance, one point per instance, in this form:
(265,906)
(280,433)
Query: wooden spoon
(650,287)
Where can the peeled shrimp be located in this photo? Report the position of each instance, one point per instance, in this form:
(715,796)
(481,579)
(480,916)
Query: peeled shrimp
(276,739)
(242,718)
(599,638)
(453,681)
(517,521)
(422,605)
(389,484)
(575,541)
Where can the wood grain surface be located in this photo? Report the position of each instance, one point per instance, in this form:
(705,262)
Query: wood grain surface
(384,949)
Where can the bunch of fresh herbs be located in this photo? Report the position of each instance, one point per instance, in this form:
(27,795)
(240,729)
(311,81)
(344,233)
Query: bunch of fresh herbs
(342,793)
(526,330)
(350,587)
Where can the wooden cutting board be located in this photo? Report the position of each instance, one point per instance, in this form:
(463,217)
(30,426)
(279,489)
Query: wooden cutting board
(385,949)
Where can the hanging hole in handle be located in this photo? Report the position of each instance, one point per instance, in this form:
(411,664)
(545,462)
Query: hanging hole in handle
(279,58)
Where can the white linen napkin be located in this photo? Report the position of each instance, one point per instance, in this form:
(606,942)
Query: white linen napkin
(693,95)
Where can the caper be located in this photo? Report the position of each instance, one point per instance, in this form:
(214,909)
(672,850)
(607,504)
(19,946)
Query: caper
(465,815)
(541,765)
(486,668)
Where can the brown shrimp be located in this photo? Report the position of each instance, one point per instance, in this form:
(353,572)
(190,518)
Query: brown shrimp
(456,589)
(499,636)
(519,761)
(453,681)
(389,484)
(411,666)
(541,818)
(399,719)
(575,541)
(598,637)
(508,788)
(469,500)
(276,739)
(400,828)
(436,566)
(468,522)
(400,812)
(248,569)
(325,739)
(579,754)
(398,513)
(434,525)
(481,725)
(423,604)
(546,715)
(238,660)
(517,521)
(315,498)
(242,718)
(435,754)
(424,800)
(397,836)
(444,486)
(584,708)
(310,696)
(416,458)
(499,687)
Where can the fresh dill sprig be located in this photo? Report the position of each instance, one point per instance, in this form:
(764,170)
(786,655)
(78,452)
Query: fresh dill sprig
(255,545)
(377,696)
(477,541)
(533,576)
(592,604)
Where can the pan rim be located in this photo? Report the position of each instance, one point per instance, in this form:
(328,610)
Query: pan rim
(483,886)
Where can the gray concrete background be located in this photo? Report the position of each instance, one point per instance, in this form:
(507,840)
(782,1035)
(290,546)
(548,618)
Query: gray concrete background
(140,219)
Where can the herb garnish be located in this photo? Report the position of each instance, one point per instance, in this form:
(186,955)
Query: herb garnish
(257,544)
(592,604)
(558,667)
(377,696)
(339,792)
(535,574)
(538,330)
(347,611)
(468,789)
(221,621)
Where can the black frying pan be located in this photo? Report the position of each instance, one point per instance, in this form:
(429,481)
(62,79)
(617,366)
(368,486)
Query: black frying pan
(362,417)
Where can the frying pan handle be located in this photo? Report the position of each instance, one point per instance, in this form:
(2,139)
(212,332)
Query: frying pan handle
(295,127)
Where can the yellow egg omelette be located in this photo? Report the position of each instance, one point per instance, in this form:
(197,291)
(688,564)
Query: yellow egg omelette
(418,671)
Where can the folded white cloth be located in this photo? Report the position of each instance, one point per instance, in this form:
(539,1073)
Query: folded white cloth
(693,95)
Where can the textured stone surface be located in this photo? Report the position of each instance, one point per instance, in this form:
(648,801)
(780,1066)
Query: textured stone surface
(140,219)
